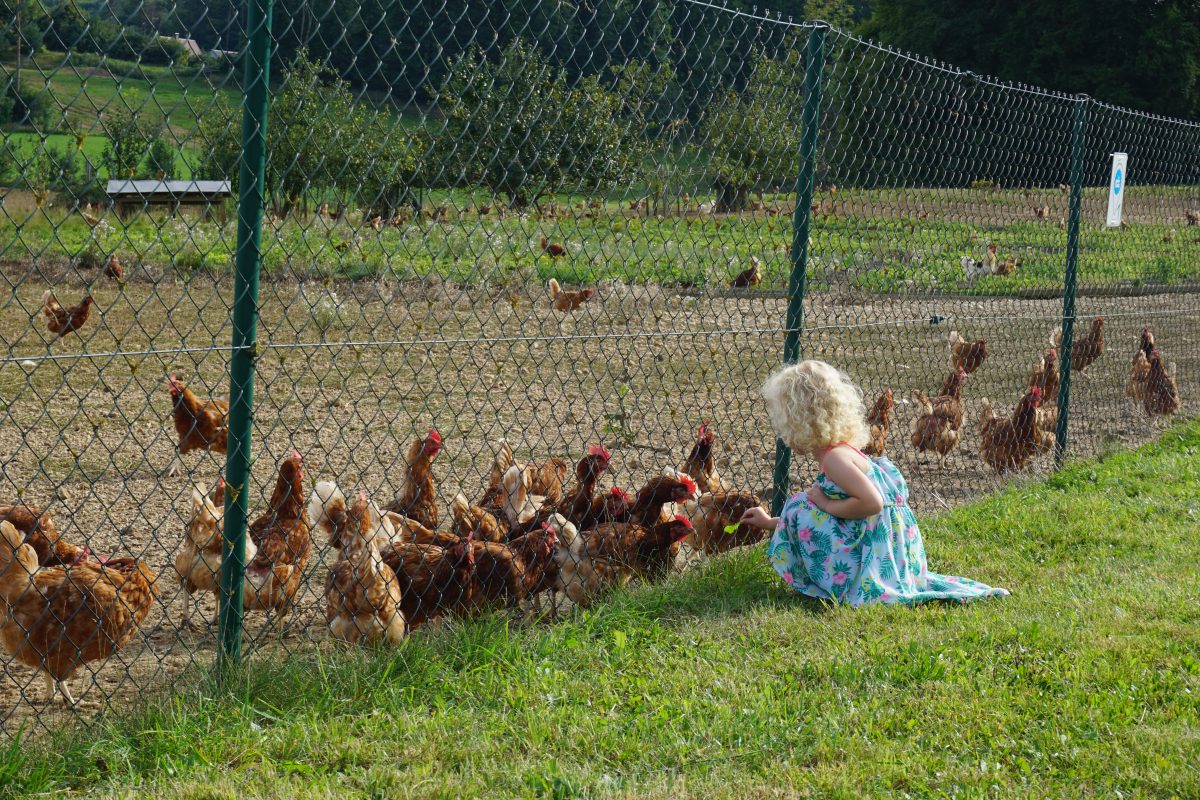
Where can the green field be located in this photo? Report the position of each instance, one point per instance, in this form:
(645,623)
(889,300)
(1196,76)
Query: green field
(26,145)
(82,93)
(872,249)
(901,240)
(720,683)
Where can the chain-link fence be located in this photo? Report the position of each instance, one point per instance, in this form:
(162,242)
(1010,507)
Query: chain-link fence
(569,238)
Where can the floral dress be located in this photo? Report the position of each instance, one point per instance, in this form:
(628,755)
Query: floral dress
(880,559)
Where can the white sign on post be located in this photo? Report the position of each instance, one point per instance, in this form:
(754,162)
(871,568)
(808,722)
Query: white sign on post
(1116,190)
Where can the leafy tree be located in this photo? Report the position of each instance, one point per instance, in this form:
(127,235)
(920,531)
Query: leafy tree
(386,166)
(311,121)
(648,95)
(128,139)
(33,107)
(516,126)
(753,136)
(1144,55)
(161,156)
(73,29)
(34,21)
(73,176)
(218,139)
(314,134)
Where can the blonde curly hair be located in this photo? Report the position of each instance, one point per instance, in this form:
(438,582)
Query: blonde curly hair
(813,405)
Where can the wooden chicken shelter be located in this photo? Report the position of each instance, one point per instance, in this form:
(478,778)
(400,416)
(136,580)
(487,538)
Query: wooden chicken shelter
(131,196)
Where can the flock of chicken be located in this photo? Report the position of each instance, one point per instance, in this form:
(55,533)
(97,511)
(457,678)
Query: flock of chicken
(990,264)
(1007,444)
(532,531)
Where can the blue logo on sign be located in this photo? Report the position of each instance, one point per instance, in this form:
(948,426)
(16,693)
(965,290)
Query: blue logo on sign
(1117,178)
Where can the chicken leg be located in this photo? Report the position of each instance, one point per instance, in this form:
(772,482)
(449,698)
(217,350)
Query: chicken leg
(52,688)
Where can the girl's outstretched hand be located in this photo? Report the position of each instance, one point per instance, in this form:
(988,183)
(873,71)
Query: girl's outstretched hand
(759,518)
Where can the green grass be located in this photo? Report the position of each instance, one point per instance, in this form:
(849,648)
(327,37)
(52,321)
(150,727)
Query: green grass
(1085,682)
(26,145)
(162,94)
(877,253)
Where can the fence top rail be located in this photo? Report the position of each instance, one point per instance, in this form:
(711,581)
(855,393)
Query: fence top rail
(789,22)
(1147,116)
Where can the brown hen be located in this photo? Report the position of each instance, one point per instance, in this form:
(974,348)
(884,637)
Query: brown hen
(417,497)
(61,321)
(59,618)
(281,536)
(199,424)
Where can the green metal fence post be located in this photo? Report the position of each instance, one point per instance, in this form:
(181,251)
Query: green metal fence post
(245,327)
(810,120)
(1068,315)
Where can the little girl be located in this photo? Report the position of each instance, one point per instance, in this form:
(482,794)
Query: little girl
(851,537)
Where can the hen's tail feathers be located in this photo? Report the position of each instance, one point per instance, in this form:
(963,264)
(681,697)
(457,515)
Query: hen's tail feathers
(460,507)
(17,577)
(501,463)
(1056,338)
(327,507)
(986,414)
(554,287)
(956,338)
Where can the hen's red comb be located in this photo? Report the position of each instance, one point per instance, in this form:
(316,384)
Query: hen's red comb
(688,483)
(434,435)
(680,518)
(599,450)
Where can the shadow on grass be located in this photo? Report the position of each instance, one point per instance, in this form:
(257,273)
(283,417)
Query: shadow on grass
(735,583)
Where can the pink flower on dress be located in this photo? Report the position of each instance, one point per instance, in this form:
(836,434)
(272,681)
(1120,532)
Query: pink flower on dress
(805,535)
(839,578)
(901,501)
(788,579)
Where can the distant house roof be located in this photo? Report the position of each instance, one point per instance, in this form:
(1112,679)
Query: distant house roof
(222,53)
(167,189)
(190,45)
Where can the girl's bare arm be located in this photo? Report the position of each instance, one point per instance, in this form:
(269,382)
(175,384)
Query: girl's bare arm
(864,500)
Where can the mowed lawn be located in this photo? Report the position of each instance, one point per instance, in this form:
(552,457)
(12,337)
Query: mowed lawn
(719,683)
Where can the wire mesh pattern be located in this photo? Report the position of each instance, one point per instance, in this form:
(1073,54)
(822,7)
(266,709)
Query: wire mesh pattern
(516,262)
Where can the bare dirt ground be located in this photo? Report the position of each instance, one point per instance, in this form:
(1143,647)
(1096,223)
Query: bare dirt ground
(638,368)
